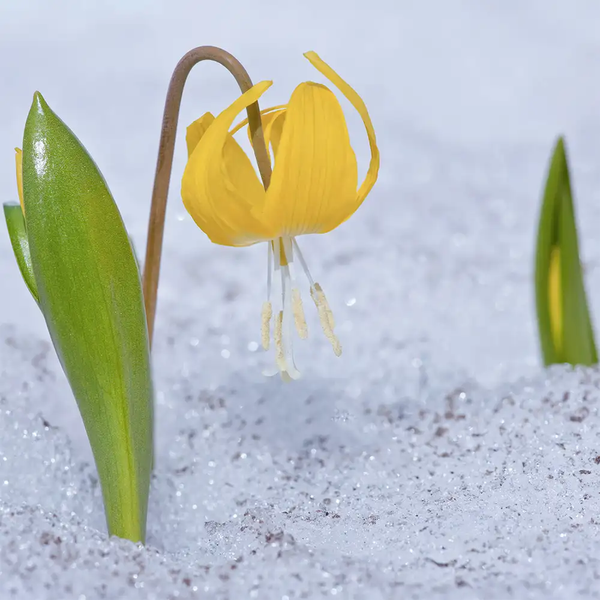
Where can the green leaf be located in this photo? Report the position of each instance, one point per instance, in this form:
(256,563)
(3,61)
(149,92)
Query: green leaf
(564,323)
(17,232)
(90,294)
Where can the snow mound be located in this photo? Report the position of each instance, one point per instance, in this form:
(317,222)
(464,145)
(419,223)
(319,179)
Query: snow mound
(460,493)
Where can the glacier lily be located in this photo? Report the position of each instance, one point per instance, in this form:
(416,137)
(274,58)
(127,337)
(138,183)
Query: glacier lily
(313,189)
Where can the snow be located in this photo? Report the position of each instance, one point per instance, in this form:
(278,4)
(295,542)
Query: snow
(435,459)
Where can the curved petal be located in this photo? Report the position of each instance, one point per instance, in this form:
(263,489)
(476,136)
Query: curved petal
(315,176)
(359,105)
(263,115)
(275,131)
(272,128)
(196,130)
(272,122)
(19,165)
(269,121)
(220,188)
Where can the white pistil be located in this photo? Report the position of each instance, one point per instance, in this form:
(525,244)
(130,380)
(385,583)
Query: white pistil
(284,357)
(267,307)
(286,287)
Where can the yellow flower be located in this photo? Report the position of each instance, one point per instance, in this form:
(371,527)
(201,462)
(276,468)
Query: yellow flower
(313,189)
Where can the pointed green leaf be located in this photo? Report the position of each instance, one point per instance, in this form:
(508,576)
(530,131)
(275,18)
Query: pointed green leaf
(90,294)
(17,232)
(564,323)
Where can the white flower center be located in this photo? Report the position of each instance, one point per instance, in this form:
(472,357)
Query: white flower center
(290,313)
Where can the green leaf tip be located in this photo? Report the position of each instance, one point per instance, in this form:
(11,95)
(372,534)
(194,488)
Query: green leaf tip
(39,109)
(89,291)
(564,323)
(560,144)
(39,102)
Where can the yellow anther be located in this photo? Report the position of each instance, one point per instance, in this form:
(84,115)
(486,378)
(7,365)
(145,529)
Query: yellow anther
(326,318)
(278,335)
(265,329)
(335,344)
(298,310)
(321,300)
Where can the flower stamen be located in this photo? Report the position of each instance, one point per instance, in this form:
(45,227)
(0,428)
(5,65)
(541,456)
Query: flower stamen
(281,258)
(318,295)
(279,349)
(322,300)
(303,263)
(265,329)
(267,307)
(297,307)
(298,310)
(287,331)
(282,333)
(325,317)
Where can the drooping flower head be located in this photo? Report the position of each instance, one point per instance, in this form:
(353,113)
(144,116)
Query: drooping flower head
(313,189)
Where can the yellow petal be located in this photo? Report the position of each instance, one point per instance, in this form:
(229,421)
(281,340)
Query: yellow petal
(314,180)
(263,115)
(220,188)
(272,128)
(19,165)
(359,105)
(272,123)
(196,130)
(274,131)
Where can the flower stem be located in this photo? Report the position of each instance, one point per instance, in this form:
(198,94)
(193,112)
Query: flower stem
(166,149)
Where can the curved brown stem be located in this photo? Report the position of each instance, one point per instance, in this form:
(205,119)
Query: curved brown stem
(166,148)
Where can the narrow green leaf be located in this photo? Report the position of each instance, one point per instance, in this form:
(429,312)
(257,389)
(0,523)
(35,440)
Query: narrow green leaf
(17,231)
(90,294)
(564,323)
